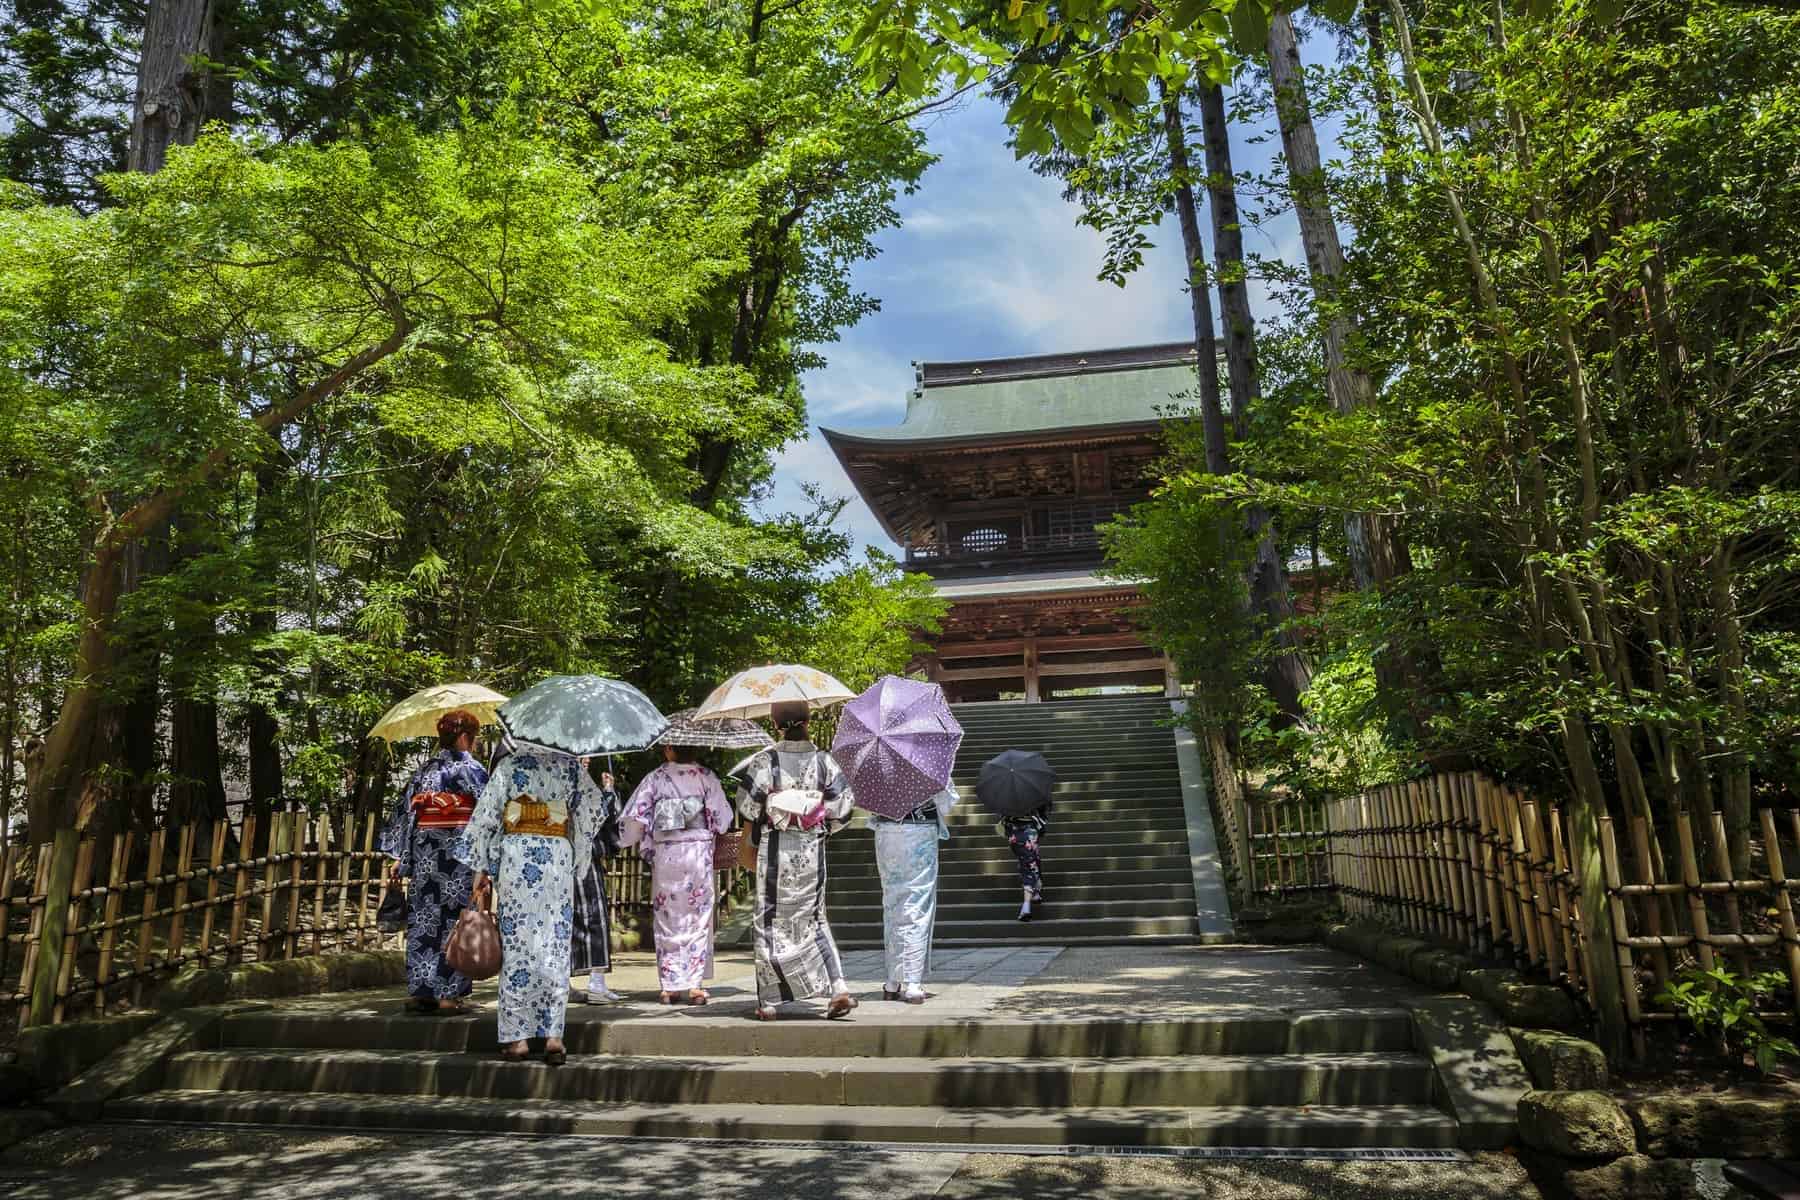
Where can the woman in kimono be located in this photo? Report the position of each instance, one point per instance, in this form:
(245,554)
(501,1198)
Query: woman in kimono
(534,822)
(1022,834)
(421,838)
(906,854)
(794,796)
(590,947)
(672,819)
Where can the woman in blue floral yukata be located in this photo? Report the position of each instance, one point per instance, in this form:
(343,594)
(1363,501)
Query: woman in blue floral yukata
(536,820)
(421,838)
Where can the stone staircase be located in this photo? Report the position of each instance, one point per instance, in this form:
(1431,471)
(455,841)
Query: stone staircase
(1343,1079)
(1116,865)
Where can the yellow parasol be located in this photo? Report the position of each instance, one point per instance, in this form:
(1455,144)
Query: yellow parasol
(417,715)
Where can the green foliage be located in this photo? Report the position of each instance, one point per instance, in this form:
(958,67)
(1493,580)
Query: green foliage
(1719,1003)
(868,622)
(462,349)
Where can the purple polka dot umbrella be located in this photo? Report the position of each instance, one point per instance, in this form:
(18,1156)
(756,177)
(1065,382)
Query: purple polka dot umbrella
(897,745)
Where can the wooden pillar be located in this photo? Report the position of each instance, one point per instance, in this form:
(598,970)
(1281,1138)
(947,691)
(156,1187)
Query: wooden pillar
(1031,671)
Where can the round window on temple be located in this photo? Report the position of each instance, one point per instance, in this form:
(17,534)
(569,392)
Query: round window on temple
(985,538)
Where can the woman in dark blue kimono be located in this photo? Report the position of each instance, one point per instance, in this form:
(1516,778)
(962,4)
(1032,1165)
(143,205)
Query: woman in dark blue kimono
(437,805)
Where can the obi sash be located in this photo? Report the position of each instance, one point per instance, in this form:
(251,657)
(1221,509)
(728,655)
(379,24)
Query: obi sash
(528,814)
(443,810)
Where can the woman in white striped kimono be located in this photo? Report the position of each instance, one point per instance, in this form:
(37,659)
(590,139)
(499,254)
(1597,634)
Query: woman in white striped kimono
(906,853)
(535,821)
(794,796)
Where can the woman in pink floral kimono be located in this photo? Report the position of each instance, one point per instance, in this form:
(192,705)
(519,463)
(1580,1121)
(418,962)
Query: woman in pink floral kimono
(672,818)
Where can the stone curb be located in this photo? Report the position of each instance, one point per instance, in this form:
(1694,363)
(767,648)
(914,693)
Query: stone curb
(1522,1002)
(1480,1079)
(137,1066)
(307,976)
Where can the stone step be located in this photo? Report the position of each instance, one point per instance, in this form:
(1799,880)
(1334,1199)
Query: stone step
(1116,781)
(979,878)
(1088,789)
(1118,820)
(1074,840)
(1058,865)
(875,1029)
(1397,1127)
(953,909)
(1053,928)
(846,892)
(1188,1082)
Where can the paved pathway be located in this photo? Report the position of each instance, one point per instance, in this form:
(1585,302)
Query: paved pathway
(1048,983)
(153,1162)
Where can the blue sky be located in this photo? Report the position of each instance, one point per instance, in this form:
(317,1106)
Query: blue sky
(988,261)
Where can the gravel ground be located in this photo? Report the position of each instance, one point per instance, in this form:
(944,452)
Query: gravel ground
(991,1176)
(154,1162)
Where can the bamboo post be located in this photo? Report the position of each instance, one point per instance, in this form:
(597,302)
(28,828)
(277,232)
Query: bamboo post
(1542,873)
(240,893)
(278,839)
(1784,905)
(109,917)
(1621,930)
(1567,926)
(1734,915)
(65,977)
(345,859)
(34,936)
(296,864)
(9,865)
(184,857)
(1521,876)
(1518,932)
(1479,847)
(1690,876)
(368,867)
(64,850)
(1653,912)
(215,859)
(1418,837)
(1424,792)
(321,828)
(1469,862)
(146,925)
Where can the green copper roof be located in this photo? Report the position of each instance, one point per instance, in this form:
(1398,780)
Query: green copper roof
(1010,397)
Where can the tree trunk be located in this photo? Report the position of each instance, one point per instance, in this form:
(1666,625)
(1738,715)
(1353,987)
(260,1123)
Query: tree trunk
(264,730)
(197,785)
(101,751)
(1290,674)
(1377,554)
(1387,123)
(171,97)
(1206,342)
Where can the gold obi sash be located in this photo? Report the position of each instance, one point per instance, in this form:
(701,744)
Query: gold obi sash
(528,814)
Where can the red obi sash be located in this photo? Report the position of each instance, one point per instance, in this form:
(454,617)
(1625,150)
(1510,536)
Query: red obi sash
(443,810)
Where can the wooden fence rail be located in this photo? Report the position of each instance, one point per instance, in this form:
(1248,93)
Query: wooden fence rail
(87,927)
(1465,860)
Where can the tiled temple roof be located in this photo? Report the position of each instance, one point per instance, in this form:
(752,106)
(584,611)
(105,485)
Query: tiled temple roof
(1004,398)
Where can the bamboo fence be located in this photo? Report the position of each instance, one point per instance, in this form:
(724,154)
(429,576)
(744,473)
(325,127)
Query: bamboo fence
(1464,860)
(89,926)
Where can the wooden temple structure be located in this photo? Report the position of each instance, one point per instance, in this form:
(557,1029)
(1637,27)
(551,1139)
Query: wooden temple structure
(995,484)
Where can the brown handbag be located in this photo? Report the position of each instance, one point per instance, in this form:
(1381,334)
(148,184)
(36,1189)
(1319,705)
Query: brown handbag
(474,945)
(728,849)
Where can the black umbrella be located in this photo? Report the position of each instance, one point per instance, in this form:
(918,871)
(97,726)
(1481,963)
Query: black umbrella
(1015,782)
